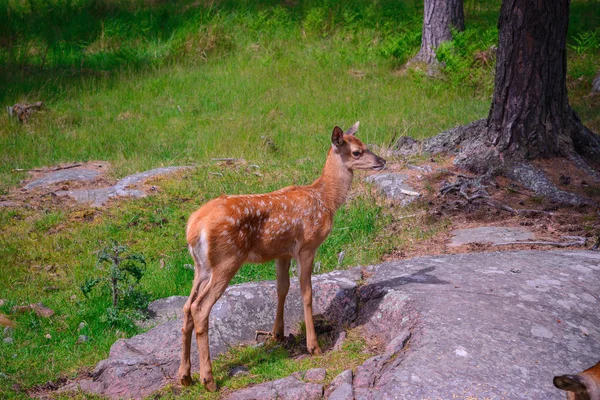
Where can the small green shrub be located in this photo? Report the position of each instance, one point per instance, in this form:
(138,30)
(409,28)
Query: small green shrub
(586,41)
(121,271)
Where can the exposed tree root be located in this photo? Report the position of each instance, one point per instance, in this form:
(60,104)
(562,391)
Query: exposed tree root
(475,152)
(576,241)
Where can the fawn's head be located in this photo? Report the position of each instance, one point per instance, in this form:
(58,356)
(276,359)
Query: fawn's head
(353,152)
(583,386)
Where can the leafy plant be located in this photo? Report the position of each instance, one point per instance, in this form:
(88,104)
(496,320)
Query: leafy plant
(470,57)
(586,41)
(121,271)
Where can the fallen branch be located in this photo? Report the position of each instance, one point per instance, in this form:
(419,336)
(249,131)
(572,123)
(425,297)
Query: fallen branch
(409,192)
(579,242)
(69,166)
(524,213)
(227,159)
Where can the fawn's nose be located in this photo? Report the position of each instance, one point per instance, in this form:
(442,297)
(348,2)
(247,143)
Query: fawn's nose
(381,160)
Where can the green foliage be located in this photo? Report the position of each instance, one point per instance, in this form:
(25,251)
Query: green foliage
(404,43)
(586,41)
(470,58)
(121,271)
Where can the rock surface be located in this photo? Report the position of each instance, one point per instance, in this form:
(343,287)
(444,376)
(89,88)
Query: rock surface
(138,366)
(479,325)
(490,234)
(596,84)
(394,186)
(99,197)
(63,176)
(290,388)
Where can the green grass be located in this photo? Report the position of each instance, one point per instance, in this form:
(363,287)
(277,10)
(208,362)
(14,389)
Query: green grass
(150,84)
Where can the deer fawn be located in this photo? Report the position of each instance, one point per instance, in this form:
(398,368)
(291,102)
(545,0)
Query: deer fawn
(290,222)
(583,386)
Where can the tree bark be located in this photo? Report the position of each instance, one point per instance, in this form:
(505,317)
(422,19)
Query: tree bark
(530,116)
(438,17)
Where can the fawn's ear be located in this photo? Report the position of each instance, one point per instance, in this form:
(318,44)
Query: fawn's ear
(337,136)
(353,129)
(570,383)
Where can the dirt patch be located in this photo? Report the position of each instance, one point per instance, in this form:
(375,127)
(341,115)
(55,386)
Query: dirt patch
(44,195)
(548,221)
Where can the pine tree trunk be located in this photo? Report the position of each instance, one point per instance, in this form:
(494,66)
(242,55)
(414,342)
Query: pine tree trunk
(438,17)
(530,116)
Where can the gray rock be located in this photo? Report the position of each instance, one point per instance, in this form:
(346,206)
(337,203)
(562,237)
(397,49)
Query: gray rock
(315,375)
(8,340)
(81,326)
(344,379)
(485,332)
(406,145)
(8,331)
(342,392)
(238,370)
(138,366)
(596,84)
(64,176)
(393,186)
(339,342)
(490,234)
(83,339)
(163,310)
(99,197)
(290,388)
(460,326)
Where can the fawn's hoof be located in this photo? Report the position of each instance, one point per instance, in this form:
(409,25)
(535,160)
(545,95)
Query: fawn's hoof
(210,384)
(185,380)
(315,351)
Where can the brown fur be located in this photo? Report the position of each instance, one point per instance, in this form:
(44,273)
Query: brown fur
(583,386)
(4,321)
(289,223)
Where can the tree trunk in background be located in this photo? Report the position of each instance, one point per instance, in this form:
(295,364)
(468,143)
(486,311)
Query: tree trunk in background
(530,115)
(438,17)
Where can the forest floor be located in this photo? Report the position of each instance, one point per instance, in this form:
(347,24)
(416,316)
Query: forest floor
(508,205)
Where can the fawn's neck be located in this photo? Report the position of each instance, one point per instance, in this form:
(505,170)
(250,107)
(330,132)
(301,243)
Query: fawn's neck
(334,183)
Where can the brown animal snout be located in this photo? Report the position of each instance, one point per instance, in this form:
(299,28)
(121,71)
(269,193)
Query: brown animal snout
(381,164)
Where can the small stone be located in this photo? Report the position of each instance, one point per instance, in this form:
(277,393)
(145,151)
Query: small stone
(315,375)
(8,331)
(238,370)
(82,339)
(41,310)
(340,341)
(8,340)
(73,297)
(3,375)
(2,301)
(48,336)
(343,379)
(81,325)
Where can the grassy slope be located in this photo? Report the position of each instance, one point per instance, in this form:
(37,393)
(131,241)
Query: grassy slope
(167,85)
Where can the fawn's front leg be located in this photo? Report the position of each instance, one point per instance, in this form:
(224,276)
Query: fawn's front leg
(283,285)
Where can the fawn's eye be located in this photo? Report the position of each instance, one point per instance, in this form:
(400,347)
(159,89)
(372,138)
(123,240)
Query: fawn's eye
(356,153)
